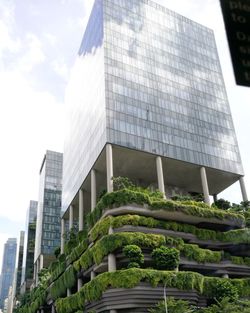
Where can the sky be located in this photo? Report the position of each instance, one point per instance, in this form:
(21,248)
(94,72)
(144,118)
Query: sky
(39,41)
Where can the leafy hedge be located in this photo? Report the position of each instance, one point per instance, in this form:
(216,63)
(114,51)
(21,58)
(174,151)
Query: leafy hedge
(233,236)
(57,267)
(37,298)
(193,252)
(127,196)
(66,280)
(130,278)
(241,285)
(110,243)
(239,260)
(77,251)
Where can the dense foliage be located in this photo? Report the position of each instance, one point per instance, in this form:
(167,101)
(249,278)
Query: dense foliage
(180,306)
(84,250)
(173,306)
(166,258)
(233,236)
(130,278)
(154,202)
(134,254)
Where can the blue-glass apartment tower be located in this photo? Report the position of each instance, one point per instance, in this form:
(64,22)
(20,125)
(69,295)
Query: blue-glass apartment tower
(49,210)
(8,268)
(147,101)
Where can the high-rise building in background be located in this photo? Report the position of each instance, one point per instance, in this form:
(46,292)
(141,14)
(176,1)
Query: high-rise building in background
(29,247)
(18,270)
(147,101)
(49,210)
(8,268)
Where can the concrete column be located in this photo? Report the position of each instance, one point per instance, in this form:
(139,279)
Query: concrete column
(53,309)
(113,311)
(111,256)
(38,265)
(109,165)
(243,189)
(68,292)
(93,189)
(111,230)
(41,261)
(42,310)
(81,210)
(34,272)
(225,276)
(79,284)
(37,269)
(111,262)
(160,176)
(71,217)
(92,275)
(204,185)
(62,235)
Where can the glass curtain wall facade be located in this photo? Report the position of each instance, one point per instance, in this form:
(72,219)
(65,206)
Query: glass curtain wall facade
(164,87)
(85,101)
(162,92)
(49,205)
(8,268)
(29,246)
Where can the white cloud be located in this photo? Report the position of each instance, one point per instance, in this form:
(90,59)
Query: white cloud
(33,55)
(61,68)
(7,42)
(30,123)
(51,39)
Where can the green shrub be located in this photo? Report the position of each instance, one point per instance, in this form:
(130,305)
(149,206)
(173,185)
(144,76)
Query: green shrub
(122,183)
(133,265)
(227,306)
(134,254)
(173,306)
(224,289)
(222,204)
(219,288)
(166,258)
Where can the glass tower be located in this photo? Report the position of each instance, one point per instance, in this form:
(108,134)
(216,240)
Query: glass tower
(49,209)
(8,268)
(19,264)
(29,246)
(149,80)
